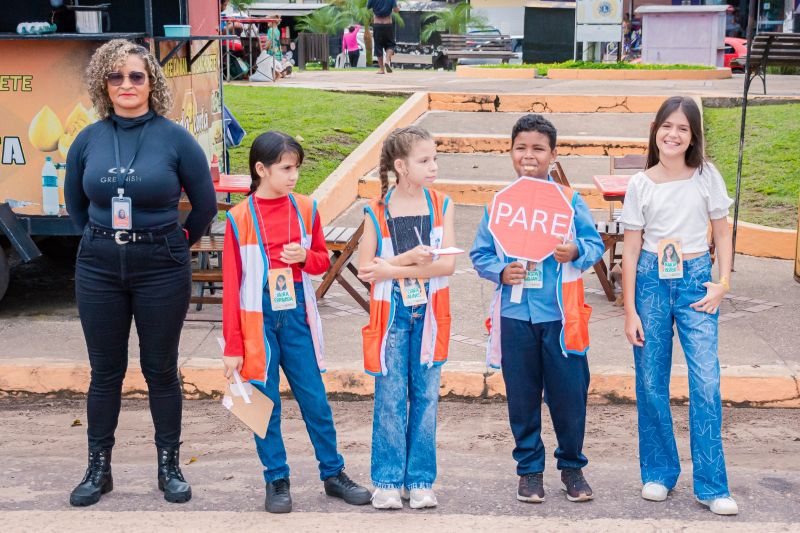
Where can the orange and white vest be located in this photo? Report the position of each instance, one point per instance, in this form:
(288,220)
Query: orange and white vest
(436,328)
(255,264)
(575,312)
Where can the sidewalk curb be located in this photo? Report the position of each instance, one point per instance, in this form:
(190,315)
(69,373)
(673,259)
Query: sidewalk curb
(204,382)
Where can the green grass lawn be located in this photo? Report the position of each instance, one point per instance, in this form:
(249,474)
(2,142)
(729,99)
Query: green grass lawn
(771,168)
(330,124)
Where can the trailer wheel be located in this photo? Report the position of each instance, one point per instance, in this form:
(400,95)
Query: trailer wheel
(5,272)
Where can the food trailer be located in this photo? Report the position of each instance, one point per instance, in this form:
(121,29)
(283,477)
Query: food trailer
(45,104)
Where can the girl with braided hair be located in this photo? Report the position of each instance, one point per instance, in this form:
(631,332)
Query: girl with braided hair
(408,333)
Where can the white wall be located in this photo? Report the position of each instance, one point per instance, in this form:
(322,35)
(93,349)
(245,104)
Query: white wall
(509,20)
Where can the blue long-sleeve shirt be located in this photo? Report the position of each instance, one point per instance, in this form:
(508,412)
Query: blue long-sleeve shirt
(537,305)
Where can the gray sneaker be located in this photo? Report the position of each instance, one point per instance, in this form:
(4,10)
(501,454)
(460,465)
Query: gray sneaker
(531,488)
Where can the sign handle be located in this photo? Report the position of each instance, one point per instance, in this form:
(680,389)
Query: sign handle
(516,290)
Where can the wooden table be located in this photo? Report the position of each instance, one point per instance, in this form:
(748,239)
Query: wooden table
(612,186)
(228,189)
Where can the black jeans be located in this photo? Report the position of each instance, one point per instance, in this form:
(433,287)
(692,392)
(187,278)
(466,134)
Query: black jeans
(353,57)
(150,281)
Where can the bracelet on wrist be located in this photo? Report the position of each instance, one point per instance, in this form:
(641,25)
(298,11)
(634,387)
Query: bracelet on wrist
(725,282)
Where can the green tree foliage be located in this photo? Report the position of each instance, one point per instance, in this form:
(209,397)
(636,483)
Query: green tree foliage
(328,19)
(454,20)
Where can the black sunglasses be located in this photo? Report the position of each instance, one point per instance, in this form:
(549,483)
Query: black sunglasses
(115,79)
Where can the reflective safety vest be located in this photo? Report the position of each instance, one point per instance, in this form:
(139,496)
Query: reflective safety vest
(436,327)
(255,264)
(575,312)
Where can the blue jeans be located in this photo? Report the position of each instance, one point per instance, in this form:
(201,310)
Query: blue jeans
(292,348)
(660,303)
(532,361)
(406,402)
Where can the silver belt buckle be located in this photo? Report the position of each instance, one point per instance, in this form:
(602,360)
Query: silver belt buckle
(118,237)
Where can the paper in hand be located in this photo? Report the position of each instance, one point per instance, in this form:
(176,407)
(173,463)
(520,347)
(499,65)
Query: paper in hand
(452,250)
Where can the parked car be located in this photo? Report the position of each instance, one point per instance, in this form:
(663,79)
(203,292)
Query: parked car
(735,53)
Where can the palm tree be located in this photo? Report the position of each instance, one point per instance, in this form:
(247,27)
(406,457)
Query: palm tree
(454,20)
(325,20)
(242,6)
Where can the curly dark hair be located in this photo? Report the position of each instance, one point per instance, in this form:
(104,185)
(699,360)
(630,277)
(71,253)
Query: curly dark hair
(107,58)
(537,123)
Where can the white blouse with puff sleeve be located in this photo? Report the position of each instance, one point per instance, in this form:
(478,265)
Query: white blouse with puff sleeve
(676,209)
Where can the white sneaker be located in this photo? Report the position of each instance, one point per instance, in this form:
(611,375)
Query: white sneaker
(422,498)
(386,499)
(722,506)
(655,492)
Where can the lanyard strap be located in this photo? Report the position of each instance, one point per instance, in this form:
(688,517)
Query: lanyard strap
(263,228)
(120,178)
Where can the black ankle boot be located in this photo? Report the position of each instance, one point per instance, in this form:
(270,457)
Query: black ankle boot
(96,482)
(170,478)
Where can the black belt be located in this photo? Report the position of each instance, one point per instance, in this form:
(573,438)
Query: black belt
(125,236)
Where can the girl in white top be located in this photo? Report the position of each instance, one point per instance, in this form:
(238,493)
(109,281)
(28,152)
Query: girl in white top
(666,283)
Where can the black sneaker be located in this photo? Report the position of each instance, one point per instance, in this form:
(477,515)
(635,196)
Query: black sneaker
(341,486)
(278,499)
(575,485)
(531,488)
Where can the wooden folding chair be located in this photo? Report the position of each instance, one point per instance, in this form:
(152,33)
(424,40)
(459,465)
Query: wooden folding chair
(342,243)
(207,277)
(609,232)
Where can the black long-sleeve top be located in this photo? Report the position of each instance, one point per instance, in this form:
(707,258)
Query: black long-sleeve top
(169,159)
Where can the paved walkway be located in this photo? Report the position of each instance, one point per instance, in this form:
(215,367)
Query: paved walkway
(447,81)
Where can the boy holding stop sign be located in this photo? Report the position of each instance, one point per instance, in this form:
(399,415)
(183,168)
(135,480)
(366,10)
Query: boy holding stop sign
(541,342)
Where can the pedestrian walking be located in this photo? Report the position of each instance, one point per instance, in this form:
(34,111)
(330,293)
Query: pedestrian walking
(123,183)
(406,340)
(273,234)
(667,283)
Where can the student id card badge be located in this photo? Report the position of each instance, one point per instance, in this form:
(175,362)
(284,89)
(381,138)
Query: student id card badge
(121,212)
(670,259)
(534,276)
(281,289)
(413,291)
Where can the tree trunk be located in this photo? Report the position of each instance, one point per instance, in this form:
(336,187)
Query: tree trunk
(368,42)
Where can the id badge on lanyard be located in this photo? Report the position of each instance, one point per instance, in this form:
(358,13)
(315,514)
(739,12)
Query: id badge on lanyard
(534,276)
(281,289)
(413,291)
(670,259)
(121,212)
(121,205)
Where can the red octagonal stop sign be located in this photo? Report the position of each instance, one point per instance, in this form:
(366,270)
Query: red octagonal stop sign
(530,218)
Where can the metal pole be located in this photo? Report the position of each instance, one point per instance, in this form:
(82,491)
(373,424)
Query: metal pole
(148,17)
(750,30)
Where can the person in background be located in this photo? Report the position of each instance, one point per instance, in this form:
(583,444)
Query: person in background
(273,46)
(383,32)
(350,44)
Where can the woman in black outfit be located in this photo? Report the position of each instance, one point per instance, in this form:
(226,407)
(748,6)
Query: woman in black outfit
(123,183)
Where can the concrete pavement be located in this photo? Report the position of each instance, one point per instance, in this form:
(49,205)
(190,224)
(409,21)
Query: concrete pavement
(759,339)
(475,485)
